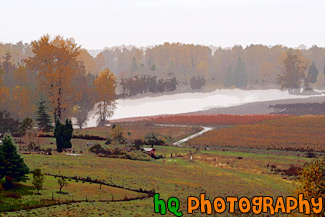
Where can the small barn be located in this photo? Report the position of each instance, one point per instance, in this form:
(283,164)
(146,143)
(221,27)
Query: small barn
(150,151)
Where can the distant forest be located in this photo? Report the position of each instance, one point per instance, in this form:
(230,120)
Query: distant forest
(70,80)
(193,66)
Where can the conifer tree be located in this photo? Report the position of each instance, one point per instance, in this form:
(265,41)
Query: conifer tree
(43,118)
(12,166)
(311,77)
(63,135)
(240,75)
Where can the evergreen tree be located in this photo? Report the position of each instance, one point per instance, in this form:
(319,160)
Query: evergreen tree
(229,81)
(43,118)
(12,166)
(240,76)
(63,135)
(311,75)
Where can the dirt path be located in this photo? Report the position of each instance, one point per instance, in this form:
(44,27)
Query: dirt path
(205,129)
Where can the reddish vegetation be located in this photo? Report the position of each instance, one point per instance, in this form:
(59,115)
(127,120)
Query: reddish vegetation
(300,133)
(220,119)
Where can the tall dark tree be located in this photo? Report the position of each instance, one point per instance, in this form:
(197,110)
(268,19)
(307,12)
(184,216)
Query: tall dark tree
(12,166)
(63,135)
(43,118)
(312,74)
(240,76)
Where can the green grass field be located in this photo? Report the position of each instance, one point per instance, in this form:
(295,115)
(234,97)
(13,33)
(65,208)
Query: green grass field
(231,171)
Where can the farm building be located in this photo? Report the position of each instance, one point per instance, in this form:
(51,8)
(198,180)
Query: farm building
(150,151)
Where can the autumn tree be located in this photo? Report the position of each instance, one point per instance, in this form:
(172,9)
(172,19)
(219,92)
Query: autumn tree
(293,75)
(105,85)
(4,92)
(56,63)
(12,166)
(20,102)
(311,181)
(21,75)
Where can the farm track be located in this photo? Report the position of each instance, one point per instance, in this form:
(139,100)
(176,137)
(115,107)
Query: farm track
(205,129)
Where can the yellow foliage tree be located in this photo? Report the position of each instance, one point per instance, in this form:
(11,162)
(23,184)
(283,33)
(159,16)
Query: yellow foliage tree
(105,85)
(56,62)
(312,181)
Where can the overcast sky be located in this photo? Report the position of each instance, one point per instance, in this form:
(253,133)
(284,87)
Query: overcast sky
(96,24)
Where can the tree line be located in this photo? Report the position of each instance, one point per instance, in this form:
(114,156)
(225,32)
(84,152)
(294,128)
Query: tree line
(217,65)
(69,81)
(146,84)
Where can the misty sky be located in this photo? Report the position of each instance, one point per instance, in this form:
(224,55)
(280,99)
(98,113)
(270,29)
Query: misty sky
(96,24)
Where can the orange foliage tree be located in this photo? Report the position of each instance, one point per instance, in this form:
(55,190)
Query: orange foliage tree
(20,102)
(4,91)
(312,182)
(295,66)
(56,63)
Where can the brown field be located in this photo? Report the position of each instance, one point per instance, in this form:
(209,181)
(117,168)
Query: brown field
(140,130)
(205,119)
(291,133)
